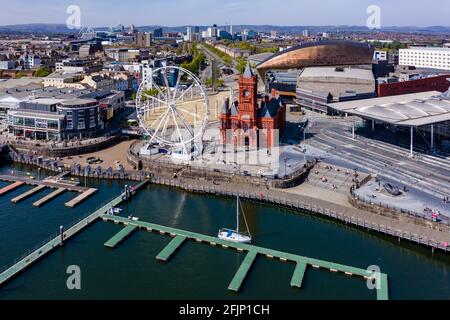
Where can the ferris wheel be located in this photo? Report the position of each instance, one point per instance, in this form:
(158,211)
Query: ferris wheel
(173,109)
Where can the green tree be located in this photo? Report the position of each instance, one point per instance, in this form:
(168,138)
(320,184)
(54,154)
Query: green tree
(196,63)
(240,65)
(42,72)
(149,92)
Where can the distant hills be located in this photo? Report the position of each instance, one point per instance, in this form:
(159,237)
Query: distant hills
(62,29)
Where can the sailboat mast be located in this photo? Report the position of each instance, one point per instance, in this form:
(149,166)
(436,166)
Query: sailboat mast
(237,214)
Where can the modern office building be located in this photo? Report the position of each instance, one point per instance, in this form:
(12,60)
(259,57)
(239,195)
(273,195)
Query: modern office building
(212,31)
(158,33)
(12,97)
(248,34)
(189,32)
(56,119)
(425,57)
(143,39)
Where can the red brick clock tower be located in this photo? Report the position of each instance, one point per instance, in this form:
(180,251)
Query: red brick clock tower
(242,121)
(248,104)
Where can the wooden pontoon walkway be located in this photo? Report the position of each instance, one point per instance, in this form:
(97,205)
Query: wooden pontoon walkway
(28,194)
(120,236)
(252,252)
(52,182)
(49,197)
(11,187)
(55,242)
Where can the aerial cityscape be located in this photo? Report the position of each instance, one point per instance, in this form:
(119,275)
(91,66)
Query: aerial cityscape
(182,151)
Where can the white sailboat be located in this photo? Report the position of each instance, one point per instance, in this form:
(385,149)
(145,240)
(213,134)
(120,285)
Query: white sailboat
(236,235)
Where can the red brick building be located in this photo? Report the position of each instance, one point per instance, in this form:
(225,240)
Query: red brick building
(437,83)
(249,122)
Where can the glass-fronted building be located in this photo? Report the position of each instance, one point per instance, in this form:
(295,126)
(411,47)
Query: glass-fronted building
(56,119)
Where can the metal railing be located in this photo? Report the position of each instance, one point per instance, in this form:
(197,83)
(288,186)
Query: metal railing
(56,235)
(303,206)
(29,252)
(444,220)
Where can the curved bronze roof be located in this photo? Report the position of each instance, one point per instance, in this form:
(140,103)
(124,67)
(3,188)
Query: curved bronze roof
(320,53)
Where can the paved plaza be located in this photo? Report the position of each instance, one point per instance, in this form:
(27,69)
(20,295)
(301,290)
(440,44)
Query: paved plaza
(411,200)
(110,157)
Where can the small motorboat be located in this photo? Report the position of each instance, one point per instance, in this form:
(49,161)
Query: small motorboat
(133,218)
(117,210)
(236,235)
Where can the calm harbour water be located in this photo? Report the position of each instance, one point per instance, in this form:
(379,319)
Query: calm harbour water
(198,271)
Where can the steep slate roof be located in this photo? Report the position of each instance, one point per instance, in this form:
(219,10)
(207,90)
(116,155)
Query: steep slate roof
(234,109)
(248,73)
(225,109)
(270,109)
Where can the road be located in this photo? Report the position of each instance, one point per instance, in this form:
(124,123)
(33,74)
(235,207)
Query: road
(229,81)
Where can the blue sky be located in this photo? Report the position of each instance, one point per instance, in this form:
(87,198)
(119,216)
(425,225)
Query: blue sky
(205,12)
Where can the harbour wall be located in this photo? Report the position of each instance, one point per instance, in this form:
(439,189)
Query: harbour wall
(389,222)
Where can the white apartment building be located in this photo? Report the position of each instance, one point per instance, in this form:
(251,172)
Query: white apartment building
(31,61)
(425,57)
(380,55)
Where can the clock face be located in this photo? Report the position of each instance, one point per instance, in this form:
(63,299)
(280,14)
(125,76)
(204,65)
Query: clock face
(246,93)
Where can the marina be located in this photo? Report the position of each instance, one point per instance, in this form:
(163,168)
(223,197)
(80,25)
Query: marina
(56,182)
(28,194)
(49,197)
(65,235)
(119,237)
(303,267)
(146,159)
(251,253)
(11,187)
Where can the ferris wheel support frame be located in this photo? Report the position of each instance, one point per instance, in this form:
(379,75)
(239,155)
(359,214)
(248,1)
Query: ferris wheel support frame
(190,146)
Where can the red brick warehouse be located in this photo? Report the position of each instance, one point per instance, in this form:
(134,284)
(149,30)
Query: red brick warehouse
(249,122)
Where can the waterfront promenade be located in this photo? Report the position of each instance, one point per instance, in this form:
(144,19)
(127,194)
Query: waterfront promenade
(407,228)
(394,224)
